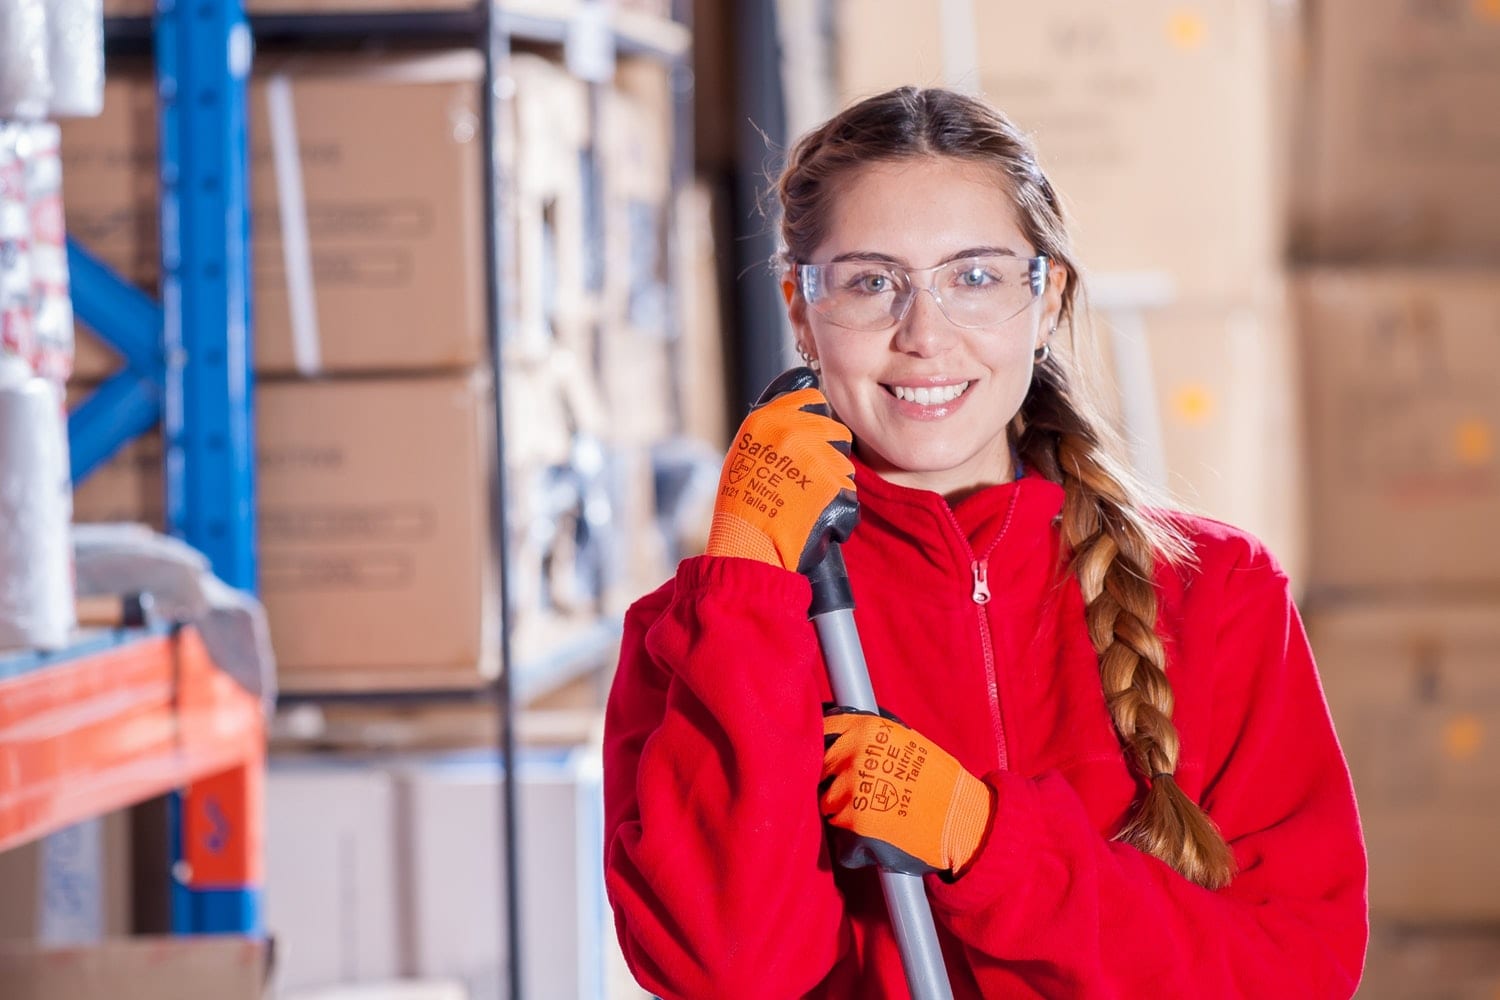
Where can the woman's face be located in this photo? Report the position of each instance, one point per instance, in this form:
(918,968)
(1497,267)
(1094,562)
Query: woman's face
(917,213)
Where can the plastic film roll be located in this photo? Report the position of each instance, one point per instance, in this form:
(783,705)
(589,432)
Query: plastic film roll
(36,508)
(17,334)
(25,81)
(75,55)
(51,304)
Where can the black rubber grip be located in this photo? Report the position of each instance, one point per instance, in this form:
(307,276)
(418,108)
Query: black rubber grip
(830,585)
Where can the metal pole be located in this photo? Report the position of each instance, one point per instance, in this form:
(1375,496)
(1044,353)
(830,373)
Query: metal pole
(905,897)
(832,614)
(499,303)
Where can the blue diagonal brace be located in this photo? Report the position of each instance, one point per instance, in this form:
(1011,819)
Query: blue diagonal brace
(122,408)
(127,318)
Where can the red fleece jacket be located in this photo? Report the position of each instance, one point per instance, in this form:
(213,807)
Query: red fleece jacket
(716,860)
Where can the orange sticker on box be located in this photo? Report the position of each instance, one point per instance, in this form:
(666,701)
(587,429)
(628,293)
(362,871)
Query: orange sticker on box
(1462,737)
(1474,441)
(1185,28)
(1193,403)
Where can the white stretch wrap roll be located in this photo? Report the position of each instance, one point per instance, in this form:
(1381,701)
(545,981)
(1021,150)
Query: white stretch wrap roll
(17,335)
(51,303)
(36,508)
(25,83)
(75,55)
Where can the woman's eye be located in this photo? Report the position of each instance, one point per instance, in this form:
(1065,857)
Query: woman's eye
(874,284)
(977,277)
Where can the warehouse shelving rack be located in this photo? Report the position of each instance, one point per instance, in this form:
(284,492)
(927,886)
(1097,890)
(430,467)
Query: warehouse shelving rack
(188,365)
(129,714)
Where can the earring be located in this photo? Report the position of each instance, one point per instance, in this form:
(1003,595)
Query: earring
(1041,354)
(809,359)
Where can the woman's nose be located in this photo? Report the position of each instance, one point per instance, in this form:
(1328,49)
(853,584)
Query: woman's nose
(924,330)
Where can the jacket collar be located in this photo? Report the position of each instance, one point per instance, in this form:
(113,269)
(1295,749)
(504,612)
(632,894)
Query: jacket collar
(1017,515)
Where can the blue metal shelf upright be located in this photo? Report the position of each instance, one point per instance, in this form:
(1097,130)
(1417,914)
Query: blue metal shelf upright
(188,367)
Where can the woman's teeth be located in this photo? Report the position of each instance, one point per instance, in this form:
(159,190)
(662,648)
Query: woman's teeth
(925,396)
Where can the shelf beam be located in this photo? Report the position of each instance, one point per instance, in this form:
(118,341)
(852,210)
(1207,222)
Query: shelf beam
(83,737)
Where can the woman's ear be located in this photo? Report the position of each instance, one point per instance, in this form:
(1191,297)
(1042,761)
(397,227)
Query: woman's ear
(796,309)
(1052,299)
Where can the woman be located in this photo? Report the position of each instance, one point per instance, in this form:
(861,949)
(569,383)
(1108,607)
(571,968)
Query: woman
(1112,755)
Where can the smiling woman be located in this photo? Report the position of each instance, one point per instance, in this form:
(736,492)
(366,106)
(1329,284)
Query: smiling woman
(1114,762)
(882,381)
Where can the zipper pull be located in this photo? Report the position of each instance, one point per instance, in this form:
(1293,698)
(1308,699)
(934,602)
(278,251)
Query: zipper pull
(981,581)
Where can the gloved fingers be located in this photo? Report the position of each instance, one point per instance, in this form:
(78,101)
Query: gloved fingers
(836,717)
(791,380)
(810,399)
(812,426)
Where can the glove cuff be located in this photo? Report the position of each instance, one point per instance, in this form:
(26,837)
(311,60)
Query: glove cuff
(731,536)
(969,815)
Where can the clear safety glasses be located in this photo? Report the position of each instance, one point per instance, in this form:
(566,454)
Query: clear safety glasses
(972,292)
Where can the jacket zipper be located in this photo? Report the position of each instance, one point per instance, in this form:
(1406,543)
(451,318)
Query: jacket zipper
(980,595)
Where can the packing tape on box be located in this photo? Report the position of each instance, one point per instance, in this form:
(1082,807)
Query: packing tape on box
(291,203)
(960,45)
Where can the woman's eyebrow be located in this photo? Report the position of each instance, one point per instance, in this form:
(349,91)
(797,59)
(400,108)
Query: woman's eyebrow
(870,255)
(980,252)
(885,258)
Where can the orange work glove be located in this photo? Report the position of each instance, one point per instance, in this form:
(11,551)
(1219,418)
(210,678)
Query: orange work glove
(787,489)
(909,806)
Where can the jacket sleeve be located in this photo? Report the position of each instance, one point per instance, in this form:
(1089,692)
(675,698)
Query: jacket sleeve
(1048,893)
(715,862)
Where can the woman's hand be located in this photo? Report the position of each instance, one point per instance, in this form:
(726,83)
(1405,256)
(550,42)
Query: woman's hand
(787,489)
(910,806)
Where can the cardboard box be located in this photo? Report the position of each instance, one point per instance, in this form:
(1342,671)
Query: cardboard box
(1403,408)
(457,909)
(383,267)
(375,530)
(167,968)
(1414,689)
(551,207)
(388,867)
(1225,438)
(375,545)
(1454,962)
(635,151)
(373,502)
(1153,120)
(405,989)
(640,392)
(701,373)
(332,894)
(72,887)
(1403,160)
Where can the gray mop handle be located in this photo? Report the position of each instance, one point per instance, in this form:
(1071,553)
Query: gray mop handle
(905,897)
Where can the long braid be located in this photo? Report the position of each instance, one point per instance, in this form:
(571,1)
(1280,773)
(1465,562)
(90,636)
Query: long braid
(1114,549)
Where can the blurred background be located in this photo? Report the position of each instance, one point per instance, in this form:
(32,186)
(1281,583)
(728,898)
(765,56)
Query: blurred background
(418,330)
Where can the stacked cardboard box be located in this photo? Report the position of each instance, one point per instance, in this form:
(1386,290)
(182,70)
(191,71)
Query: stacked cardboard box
(379,868)
(1158,125)
(142,968)
(1398,315)
(375,423)
(373,418)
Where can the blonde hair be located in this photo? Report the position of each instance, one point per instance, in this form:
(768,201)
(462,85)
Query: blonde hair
(1115,539)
